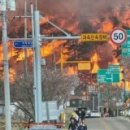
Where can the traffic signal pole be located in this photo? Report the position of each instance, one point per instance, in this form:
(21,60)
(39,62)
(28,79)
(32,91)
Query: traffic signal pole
(36,40)
(37,68)
(37,63)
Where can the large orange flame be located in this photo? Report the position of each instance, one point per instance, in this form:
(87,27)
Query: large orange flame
(71,25)
(71,70)
(94,60)
(106,26)
(51,47)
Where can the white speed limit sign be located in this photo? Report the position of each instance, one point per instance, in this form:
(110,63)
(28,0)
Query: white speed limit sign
(118,36)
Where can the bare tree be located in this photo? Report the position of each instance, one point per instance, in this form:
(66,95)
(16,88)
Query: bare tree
(22,93)
(56,86)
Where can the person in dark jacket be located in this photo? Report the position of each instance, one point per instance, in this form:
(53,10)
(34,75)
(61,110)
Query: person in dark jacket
(81,114)
(73,125)
(82,125)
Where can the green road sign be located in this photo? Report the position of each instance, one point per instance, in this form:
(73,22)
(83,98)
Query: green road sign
(128,32)
(125,52)
(109,75)
(115,73)
(114,69)
(116,78)
(125,48)
(101,76)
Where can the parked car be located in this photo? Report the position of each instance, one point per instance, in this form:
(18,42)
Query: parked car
(88,114)
(95,114)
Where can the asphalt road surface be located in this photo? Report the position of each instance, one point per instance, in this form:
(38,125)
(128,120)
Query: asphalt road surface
(108,123)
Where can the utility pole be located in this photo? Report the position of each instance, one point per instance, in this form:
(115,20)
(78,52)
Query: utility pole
(6,72)
(36,39)
(25,36)
(11,6)
(34,65)
(4,6)
(37,62)
(37,67)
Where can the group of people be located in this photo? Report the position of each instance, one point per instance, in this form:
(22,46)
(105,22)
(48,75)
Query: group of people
(77,120)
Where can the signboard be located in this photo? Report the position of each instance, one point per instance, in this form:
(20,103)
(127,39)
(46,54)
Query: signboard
(114,72)
(115,78)
(115,69)
(128,33)
(84,66)
(50,111)
(2,5)
(125,52)
(109,78)
(125,48)
(101,75)
(23,44)
(109,75)
(118,36)
(94,37)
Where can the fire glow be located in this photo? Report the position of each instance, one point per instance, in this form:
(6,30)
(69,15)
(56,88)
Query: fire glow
(73,26)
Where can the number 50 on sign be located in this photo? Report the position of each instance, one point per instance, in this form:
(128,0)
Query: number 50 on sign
(118,36)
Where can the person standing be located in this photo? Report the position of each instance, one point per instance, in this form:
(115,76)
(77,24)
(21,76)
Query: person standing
(73,125)
(82,125)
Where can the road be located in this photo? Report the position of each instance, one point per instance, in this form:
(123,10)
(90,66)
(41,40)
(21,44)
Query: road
(108,124)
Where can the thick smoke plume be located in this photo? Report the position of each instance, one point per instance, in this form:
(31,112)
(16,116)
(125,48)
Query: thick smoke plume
(66,7)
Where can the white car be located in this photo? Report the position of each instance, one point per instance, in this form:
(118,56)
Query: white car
(95,114)
(88,114)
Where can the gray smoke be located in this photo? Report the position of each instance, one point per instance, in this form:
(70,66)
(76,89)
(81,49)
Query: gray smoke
(66,7)
(81,7)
